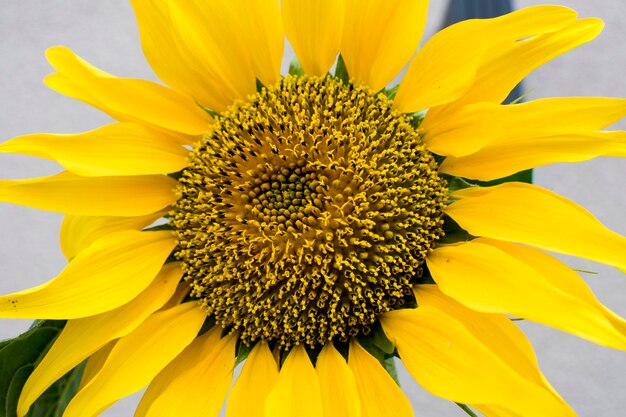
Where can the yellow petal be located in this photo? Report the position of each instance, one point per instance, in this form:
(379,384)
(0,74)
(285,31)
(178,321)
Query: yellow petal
(257,378)
(477,125)
(108,274)
(297,390)
(338,385)
(212,34)
(380,395)
(525,282)
(502,159)
(380,37)
(314,29)
(435,78)
(492,411)
(78,232)
(450,360)
(528,214)
(238,38)
(138,357)
(264,37)
(504,67)
(95,363)
(168,60)
(116,149)
(125,99)
(197,381)
(496,331)
(464,132)
(81,338)
(92,196)
(179,296)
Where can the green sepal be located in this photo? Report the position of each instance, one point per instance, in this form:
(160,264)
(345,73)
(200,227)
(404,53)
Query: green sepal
(176,175)
(522,176)
(18,358)
(453,233)
(372,344)
(458,183)
(379,339)
(391,92)
(295,68)
(390,366)
(341,71)
(417,118)
(456,236)
(373,350)
(259,86)
(210,112)
(159,227)
(243,351)
(522,97)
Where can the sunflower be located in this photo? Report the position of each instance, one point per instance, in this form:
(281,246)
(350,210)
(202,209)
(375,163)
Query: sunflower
(316,226)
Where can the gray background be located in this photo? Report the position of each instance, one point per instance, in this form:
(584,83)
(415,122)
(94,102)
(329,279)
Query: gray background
(591,378)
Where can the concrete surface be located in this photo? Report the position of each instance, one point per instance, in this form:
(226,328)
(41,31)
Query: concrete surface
(591,378)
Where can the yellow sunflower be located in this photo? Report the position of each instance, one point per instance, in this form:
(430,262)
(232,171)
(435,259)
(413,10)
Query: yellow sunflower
(315,226)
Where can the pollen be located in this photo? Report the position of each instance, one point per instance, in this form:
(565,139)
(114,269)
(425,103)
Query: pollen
(307,212)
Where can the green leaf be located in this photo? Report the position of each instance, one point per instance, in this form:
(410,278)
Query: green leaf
(54,401)
(295,68)
(341,71)
(18,379)
(19,356)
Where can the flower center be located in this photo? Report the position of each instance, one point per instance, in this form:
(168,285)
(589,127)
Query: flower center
(307,212)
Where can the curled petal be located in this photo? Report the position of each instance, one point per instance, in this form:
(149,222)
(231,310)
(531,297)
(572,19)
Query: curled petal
(125,99)
(112,150)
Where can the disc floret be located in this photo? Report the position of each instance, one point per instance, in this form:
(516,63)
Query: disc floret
(307,212)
